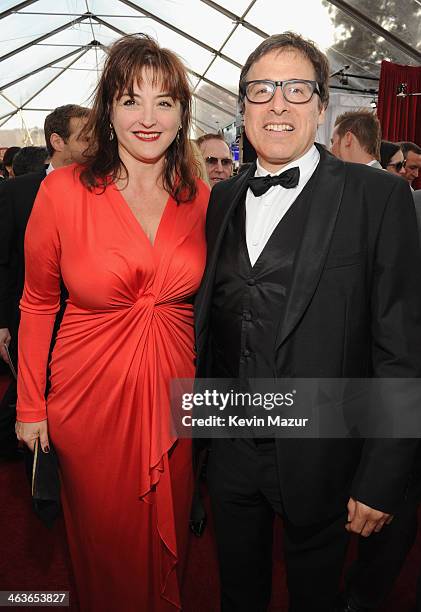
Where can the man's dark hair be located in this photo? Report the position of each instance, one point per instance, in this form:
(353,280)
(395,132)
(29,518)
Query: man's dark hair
(406,147)
(58,122)
(210,136)
(285,42)
(29,159)
(8,157)
(365,126)
(387,151)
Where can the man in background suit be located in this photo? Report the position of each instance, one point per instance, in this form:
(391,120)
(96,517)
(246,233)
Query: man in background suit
(357,137)
(217,156)
(417,202)
(62,129)
(313,272)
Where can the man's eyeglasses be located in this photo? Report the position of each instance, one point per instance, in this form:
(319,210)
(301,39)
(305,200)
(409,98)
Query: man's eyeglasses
(296,91)
(213,161)
(398,165)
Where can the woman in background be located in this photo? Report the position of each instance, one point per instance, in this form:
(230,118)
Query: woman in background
(391,157)
(126,233)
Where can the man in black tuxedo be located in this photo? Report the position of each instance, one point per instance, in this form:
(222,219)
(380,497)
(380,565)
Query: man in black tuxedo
(314,273)
(65,144)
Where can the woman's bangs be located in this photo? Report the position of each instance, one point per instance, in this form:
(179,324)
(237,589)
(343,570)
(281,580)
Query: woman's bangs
(160,71)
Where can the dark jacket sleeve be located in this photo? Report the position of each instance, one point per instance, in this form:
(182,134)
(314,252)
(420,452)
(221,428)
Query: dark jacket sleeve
(384,469)
(7,229)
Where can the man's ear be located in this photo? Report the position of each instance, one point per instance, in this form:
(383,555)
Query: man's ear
(57,142)
(348,139)
(322,116)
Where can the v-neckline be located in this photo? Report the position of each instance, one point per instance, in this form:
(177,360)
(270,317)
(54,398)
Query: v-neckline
(125,205)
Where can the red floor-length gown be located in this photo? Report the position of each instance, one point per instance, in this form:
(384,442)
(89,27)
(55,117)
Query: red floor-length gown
(127,330)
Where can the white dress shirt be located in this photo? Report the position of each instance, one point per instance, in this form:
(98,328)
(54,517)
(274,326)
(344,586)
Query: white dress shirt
(375,164)
(264,213)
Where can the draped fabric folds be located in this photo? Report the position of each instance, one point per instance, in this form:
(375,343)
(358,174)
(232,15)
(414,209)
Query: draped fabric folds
(127,331)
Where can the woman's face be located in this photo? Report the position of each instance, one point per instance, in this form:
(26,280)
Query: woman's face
(397,158)
(147,123)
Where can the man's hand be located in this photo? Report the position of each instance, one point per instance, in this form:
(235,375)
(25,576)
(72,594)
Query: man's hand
(364,520)
(5,338)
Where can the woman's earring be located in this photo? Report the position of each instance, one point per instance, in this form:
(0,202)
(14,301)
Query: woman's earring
(111,132)
(177,138)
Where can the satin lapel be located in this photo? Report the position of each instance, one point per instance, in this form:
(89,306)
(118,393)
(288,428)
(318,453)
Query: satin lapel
(216,226)
(324,206)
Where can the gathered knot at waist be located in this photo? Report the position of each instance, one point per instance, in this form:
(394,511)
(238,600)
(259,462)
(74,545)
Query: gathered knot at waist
(162,301)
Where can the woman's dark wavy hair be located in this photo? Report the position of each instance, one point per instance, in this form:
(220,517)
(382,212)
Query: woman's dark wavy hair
(387,151)
(123,67)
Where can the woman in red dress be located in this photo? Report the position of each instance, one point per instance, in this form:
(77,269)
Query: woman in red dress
(126,233)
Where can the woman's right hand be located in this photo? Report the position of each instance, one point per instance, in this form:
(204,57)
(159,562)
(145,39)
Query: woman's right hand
(29,432)
(5,339)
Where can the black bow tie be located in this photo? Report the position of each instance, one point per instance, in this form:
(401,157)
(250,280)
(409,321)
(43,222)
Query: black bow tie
(288,179)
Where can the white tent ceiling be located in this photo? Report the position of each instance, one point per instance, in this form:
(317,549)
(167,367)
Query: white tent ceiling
(52,50)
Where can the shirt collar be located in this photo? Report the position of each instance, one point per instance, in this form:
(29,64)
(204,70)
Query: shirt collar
(49,169)
(306,164)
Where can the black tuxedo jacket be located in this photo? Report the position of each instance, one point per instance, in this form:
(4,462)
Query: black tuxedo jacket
(17,197)
(353,310)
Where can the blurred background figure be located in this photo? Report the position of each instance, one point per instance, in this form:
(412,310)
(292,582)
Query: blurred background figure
(356,137)
(412,155)
(9,154)
(64,137)
(217,157)
(391,157)
(29,159)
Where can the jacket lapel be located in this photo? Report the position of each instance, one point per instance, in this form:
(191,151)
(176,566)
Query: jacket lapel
(314,247)
(219,212)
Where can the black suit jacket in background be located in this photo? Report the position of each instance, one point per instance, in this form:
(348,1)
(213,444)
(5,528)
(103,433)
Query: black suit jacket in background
(417,202)
(17,197)
(353,311)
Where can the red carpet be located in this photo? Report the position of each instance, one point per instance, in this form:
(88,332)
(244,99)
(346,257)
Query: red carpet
(32,557)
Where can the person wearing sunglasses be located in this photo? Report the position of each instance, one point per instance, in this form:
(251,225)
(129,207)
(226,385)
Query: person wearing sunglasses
(313,271)
(356,137)
(391,158)
(217,157)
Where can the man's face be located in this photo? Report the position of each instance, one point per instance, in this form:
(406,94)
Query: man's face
(412,166)
(280,131)
(218,160)
(75,145)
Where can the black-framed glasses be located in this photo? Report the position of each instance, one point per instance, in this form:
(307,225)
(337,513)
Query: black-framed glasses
(213,161)
(296,91)
(398,165)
